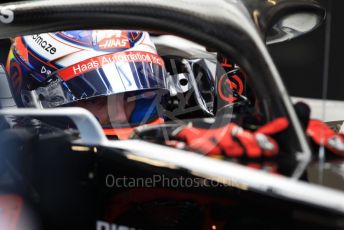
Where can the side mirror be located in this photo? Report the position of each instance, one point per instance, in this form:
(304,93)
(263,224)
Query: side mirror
(293,25)
(282,20)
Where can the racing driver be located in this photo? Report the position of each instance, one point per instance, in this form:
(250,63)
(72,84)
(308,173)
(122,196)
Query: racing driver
(119,77)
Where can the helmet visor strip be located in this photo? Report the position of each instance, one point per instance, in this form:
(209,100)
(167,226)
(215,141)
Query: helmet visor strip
(103,76)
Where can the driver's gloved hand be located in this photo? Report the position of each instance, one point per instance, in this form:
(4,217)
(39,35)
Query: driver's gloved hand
(233,141)
(320,133)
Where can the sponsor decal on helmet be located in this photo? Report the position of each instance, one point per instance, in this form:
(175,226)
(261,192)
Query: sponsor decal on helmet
(6,14)
(44,44)
(112,39)
(48,47)
(45,70)
(102,40)
(96,62)
(115,40)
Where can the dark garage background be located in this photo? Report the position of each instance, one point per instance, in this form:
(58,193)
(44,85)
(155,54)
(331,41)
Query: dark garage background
(301,61)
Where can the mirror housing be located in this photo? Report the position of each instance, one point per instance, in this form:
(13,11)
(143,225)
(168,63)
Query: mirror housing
(282,20)
(292,25)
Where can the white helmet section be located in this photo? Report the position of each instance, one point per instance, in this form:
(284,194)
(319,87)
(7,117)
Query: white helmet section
(63,52)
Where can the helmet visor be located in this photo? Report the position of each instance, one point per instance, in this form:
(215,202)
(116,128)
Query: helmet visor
(103,76)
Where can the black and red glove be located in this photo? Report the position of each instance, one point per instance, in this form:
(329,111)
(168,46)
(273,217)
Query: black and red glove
(319,132)
(322,134)
(233,141)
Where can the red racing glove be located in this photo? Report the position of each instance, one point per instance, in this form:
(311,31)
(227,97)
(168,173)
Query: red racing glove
(321,133)
(233,141)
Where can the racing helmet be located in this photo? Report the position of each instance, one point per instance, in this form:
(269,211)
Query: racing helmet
(118,71)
